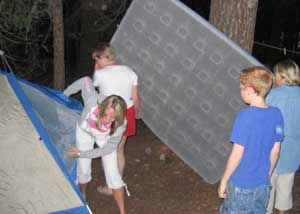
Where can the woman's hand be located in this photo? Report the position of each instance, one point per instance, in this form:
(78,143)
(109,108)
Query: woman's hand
(73,152)
(137,114)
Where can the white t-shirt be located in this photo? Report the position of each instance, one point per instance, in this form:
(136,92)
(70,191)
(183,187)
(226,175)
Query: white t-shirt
(117,80)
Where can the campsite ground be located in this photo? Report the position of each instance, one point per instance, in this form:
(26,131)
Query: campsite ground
(160,183)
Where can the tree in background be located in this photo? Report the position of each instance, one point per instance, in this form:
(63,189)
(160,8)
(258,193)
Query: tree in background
(58,44)
(26,31)
(278,32)
(236,19)
(25,37)
(97,20)
(32,36)
(24,34)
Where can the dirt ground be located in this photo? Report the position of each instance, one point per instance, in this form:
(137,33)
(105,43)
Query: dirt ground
(160,183)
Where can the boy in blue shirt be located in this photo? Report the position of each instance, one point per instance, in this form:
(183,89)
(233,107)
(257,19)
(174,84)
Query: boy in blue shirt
(256,137)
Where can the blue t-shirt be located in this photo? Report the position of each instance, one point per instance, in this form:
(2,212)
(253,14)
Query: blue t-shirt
(287,99)
(256,129)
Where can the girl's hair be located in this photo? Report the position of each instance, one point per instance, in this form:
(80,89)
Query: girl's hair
(257,77)
(288,71)
(118,104)
(104,50)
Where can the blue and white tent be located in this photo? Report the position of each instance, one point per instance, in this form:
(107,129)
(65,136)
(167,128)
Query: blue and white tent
(37,125)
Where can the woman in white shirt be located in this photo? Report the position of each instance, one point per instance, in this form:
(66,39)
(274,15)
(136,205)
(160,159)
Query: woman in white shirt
(106,123)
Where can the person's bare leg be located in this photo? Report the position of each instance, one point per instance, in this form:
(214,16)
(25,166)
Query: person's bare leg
(120,199)
(83,189)
(121,155)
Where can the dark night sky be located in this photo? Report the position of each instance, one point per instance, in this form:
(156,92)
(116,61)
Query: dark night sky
(277,26)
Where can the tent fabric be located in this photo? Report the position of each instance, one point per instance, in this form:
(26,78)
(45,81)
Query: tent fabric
(57,96)
(35,173)
(57,121)
(77,210)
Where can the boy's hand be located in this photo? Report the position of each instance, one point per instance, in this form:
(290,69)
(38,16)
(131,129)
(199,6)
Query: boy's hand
(222,189)
(73,152)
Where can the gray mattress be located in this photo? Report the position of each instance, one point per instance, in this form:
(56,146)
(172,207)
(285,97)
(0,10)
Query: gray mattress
(188,80)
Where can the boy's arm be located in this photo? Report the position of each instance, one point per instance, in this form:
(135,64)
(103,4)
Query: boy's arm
(136,101)
(274,155)
(234,160)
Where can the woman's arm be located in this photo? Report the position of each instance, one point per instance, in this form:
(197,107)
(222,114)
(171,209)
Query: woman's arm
(111,145)
(98,152)
(136,102)
(74,87)
(73,152)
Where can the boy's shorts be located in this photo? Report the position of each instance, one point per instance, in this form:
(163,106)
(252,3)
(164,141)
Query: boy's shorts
(247,201)
(281,192)
(131,124)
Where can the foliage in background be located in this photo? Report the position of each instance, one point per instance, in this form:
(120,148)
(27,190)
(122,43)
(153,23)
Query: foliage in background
(106,15)
(88,22)
(26,32)
(25,29)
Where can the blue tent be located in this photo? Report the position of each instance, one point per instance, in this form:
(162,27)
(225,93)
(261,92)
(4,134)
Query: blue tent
(37,125)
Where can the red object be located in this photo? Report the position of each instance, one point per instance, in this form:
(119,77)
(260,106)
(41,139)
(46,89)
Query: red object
(131,123)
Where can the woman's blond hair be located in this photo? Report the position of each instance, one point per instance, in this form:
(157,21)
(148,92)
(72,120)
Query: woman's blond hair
(104,50)
(118,104)
(288,71)
(257,77)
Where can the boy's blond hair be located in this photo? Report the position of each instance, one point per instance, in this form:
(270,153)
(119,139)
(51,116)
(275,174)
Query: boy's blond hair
(104,50)
(257,77)
(288,71)
(118,104)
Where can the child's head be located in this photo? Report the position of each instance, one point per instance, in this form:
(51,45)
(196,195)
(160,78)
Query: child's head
(258,78)
(104,54)
(112,110)
(286,72)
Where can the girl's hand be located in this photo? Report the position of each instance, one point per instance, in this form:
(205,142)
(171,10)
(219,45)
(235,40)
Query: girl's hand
(137,114)
(73,152)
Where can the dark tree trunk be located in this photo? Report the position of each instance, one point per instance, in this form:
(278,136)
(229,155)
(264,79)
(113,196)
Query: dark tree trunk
(236,19)
(88,41)
(89,14)
(58,45)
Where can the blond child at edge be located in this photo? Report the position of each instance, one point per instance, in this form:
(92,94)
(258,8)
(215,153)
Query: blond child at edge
(286,97)
(256,137)
(111,78)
